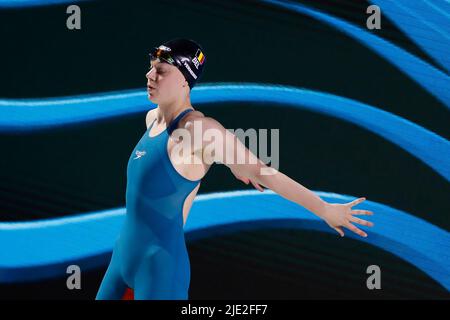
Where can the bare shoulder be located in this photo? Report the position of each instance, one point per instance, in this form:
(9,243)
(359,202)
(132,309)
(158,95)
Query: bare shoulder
(191,117)
(151,115)
(211,123)
(207,122)
(194,115)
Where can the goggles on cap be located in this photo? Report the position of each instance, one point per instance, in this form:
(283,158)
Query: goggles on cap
(162,54)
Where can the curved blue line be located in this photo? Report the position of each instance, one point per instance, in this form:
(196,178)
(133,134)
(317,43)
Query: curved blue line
(27,115)
(423,24)
(43,249)
(433,80)
(34,3)
(22,257)
(443,7)
(24,115)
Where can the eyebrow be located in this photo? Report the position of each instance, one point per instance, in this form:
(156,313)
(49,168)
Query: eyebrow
(160,65)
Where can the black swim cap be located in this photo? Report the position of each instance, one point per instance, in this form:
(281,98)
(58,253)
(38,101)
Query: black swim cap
(185,54)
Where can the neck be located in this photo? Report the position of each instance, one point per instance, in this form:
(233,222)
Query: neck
(167,112)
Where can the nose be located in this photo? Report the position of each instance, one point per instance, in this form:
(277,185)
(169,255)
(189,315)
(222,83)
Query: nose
(149,75)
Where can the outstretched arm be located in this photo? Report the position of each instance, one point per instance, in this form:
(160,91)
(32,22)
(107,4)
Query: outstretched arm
(250,167)
(247,181)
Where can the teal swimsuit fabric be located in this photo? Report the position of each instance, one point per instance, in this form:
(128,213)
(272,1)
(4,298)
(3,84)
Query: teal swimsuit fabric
(150,254)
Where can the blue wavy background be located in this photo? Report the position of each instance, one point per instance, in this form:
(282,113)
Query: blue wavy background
(89,237)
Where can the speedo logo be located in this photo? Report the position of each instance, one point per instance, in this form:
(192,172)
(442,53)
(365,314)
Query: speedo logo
(139,154)
(190,70)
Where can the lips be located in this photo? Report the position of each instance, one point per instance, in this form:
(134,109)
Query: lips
(151,90)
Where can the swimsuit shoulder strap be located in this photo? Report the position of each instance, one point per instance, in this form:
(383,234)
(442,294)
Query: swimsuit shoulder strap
(151,125)
(174,124)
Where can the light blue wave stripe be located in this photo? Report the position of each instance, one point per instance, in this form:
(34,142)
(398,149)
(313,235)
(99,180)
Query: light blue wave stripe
(432,149)
(433,80)
(442,6)
(44,249)
(24,115)
(437,6)
(429,147)
(427,27)
(34,3)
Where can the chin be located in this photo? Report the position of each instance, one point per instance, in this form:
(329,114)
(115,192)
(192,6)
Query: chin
(151,98)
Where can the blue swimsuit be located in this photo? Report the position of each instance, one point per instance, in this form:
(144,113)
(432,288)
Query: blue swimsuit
(150,254)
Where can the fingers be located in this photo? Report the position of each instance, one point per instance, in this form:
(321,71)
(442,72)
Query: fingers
(257,186)
(357,201)
(247,181)
(362,212)
(243,179)
(355,230)
(361,221)
(340,231)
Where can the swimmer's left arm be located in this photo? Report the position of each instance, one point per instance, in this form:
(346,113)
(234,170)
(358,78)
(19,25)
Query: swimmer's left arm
(198,150)
(336,215)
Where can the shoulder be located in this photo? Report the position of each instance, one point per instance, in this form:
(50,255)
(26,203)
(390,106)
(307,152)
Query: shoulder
(198,117)
(151,115)
(194,115)
(190,118)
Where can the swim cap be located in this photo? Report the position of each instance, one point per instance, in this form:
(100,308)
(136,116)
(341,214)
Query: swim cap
(185,54)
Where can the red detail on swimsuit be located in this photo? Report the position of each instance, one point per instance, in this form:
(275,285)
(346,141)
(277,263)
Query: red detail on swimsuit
(128,295)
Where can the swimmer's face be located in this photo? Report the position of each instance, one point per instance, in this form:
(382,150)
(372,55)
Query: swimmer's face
(164,82)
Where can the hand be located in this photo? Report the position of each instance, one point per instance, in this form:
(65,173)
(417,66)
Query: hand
(338,215)
(247,181)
